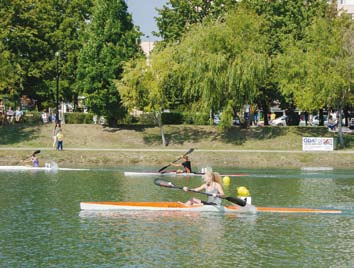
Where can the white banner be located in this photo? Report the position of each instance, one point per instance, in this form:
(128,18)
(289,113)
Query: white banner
(317,144)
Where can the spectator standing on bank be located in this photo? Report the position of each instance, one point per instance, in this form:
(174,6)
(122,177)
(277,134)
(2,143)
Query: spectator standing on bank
(60,138)
(56,129)
(44,117)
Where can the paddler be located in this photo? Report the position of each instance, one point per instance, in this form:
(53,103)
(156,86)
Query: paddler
(186,164)
(212,185)
(33,158)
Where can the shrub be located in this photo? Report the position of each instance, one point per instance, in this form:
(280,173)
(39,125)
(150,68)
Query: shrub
(147,119)
(32,117)
(172,118)
(78,118)
(196,118)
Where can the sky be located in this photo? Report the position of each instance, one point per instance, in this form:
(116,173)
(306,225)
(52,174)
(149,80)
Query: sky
(143,12)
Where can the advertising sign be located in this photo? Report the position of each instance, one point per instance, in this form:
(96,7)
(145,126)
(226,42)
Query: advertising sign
(317,144)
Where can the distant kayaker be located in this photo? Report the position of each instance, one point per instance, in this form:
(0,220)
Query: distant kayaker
(186,164)
(34,160)
(212,185)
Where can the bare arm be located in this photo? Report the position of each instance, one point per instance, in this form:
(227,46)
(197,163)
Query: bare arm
(200,188)
(220,190)
(195,189)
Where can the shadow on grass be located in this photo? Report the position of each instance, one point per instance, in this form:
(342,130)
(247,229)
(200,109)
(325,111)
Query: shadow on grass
(137,128)
(312,131)
(239,136)
(181,135)
(11,134)
(234,135)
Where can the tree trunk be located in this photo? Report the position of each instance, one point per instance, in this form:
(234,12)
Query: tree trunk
(320,118)
(112,122)
(265,113)
(158,119)
(340,129)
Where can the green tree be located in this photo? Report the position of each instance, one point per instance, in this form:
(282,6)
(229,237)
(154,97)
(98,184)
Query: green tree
(223,63)
(10,74)
(177,16)
(283,18)
(22,27)
(70,19)
(111,40)
(31,33)
(318,70)
(145,85)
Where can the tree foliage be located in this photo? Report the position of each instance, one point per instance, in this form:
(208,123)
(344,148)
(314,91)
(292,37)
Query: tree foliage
(217,65)
(318,70)
(31,33)
(145,85)
(177,16)
(222,64)
(283,18)
(111,40)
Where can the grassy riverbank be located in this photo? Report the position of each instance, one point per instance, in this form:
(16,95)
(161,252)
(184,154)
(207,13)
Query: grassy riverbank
(139,146)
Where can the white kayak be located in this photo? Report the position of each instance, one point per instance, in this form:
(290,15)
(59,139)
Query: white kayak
(26,168)
(178,206)
(174,173)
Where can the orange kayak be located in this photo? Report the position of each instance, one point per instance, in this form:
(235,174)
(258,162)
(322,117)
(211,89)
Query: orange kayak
(178,206)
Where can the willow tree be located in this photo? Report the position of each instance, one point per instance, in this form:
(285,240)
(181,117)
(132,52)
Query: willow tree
(222,63)
(144,85)
(318,70)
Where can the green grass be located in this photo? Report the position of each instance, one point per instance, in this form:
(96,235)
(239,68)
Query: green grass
(180,137)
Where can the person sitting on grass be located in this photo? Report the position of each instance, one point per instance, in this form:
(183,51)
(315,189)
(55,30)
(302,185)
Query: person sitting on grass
(18,115)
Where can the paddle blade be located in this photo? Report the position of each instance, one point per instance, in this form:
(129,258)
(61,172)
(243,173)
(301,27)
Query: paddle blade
(237,201)
(164,183)
(37,152)
(161,169)
(189,151)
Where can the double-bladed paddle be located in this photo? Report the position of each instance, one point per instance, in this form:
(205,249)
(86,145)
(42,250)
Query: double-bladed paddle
(168,184)
(188,152)
(34,153)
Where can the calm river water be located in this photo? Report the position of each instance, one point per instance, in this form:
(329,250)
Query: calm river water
(41,224)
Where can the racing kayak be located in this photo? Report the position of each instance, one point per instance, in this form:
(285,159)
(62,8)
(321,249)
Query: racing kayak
(45,168)
(178,206)
(174,173)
